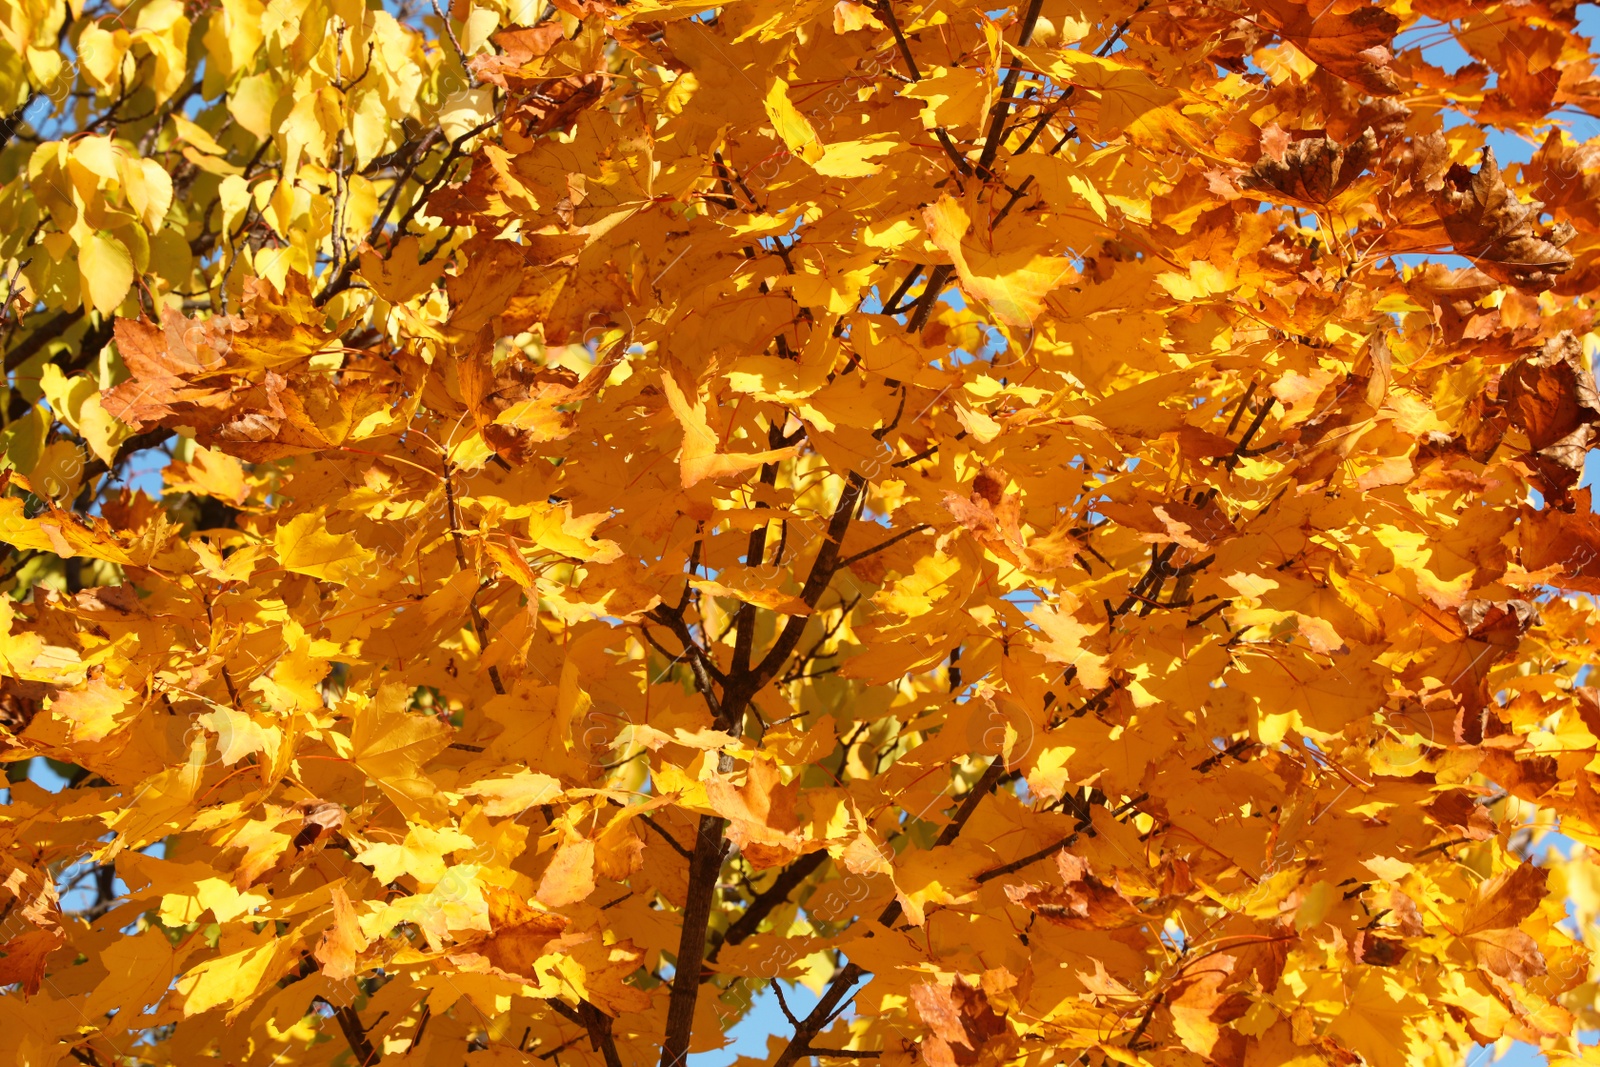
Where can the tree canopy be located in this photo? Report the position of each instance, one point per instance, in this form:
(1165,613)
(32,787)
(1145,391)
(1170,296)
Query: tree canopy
(1059,528)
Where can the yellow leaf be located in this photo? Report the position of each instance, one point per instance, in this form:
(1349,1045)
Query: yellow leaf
(466,110)
(163,801)
(1013,283)
(420,855)
(956,98)
(747,586)
(101,53)
(570,876)
(1065,643)
(210,473)
(555,529)
(231,979)
(391,744)
(239,735)
(94,710)
(107,271)
(793,128)
(1375,1022)
(252,103)
(370,128)
(311,129)
(852,159)
(516,794)
(399,276)
(343,942)
(1203,280)
(195,135)
(305,546)
(849,16)
(699,458)
(1132,100)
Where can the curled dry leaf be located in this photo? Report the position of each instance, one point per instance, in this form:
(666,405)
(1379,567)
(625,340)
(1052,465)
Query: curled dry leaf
(1549,395)
(1502,236)
(963,1022)
(1081,902)
(1314,169)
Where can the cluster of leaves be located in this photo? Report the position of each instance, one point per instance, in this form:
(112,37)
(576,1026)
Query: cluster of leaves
(993,514)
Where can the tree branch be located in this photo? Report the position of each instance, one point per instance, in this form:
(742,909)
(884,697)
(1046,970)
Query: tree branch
(704,866)
(822,572)
(843,1053)
(886,9)
(598,1023)
(594,1021)
(709,847)
(901,536)
(49,331)
(13,122)
(892,305)
(137,443)
(745,623)
(1002,107)
(924,308)
(668,838)
(355,1034)
(769,899)
(705,672)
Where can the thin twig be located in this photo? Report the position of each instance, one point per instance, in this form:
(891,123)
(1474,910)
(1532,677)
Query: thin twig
(901,536)
(1002,107)
(886,9)
(451,33)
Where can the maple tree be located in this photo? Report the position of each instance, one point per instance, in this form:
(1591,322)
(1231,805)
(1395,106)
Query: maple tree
(1004,517)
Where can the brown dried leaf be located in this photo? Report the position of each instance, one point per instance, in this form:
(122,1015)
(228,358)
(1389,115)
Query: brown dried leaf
(1082,902)
(1566,177)
(1550,395)
(1510,953)
(1314,169)
(963,1021)
(1371,948)
(1502,235)
(22,959)
(1569,540)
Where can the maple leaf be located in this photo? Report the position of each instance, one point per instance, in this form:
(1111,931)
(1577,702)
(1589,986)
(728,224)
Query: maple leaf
(761,816)
(1082,901)
(1552,398)
(963,1022)
(1314,169)
(25,954)
(518,933)
(1013,284)
(1567,543)
(570,876)
(1502,236)
(1201,1005)
(699,458)
(1349,38)
(341,946)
